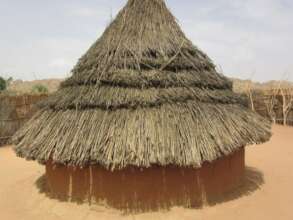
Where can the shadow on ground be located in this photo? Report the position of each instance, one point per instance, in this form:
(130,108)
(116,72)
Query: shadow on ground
(252,181)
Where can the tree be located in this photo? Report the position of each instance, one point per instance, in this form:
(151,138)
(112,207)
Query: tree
(287,102)
(249,94)
(271,102)
(40,89)
(3,84)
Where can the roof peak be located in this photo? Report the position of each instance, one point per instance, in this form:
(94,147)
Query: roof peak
(143,32)
(146,22)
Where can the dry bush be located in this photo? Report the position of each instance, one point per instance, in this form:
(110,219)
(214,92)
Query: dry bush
(287,102)
(25,87)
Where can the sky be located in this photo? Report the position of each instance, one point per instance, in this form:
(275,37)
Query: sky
(246,39)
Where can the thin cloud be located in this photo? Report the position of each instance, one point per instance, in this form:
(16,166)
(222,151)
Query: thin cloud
(84,12)
(243,37)
(60,63)
(91,12)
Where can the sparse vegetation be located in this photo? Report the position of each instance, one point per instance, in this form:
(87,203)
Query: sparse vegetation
(3,84)
(271,103)
(40,89)
(272,99)
(25,87)
(287,103)
(9,81)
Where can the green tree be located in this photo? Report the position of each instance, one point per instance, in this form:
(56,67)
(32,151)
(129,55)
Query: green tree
(3,84)
(40,89)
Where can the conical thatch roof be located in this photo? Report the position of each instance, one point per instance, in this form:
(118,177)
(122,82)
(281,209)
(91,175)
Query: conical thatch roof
(142,95)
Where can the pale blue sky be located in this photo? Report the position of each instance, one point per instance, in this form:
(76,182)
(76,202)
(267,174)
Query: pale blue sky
(246,38)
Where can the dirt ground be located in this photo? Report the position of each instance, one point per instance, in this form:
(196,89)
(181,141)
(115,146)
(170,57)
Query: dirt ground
(267,193)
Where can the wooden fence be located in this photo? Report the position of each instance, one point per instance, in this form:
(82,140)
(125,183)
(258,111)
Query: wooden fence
(270,104)
(14,112)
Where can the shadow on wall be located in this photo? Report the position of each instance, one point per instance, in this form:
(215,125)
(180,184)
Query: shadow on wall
(121,197)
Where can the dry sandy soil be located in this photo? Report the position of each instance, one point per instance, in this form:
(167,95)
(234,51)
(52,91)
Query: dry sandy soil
(268,193)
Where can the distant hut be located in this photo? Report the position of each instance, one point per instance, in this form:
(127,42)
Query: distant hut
(144,122)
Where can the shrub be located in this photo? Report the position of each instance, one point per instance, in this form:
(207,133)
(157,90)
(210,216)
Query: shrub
(3,84)
(40,89)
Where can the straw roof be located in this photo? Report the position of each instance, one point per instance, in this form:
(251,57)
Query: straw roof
(142,95)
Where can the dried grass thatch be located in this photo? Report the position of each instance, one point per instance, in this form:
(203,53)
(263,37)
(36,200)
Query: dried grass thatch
(143,94)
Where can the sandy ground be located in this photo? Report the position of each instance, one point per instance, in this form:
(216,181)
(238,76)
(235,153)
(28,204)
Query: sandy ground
(272,164)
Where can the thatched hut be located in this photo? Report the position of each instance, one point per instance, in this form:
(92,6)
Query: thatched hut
(145,121)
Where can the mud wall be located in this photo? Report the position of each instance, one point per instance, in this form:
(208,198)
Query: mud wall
(14,112)
(147,189)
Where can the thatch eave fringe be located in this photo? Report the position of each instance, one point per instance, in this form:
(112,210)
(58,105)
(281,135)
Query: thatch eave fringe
(117,139)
